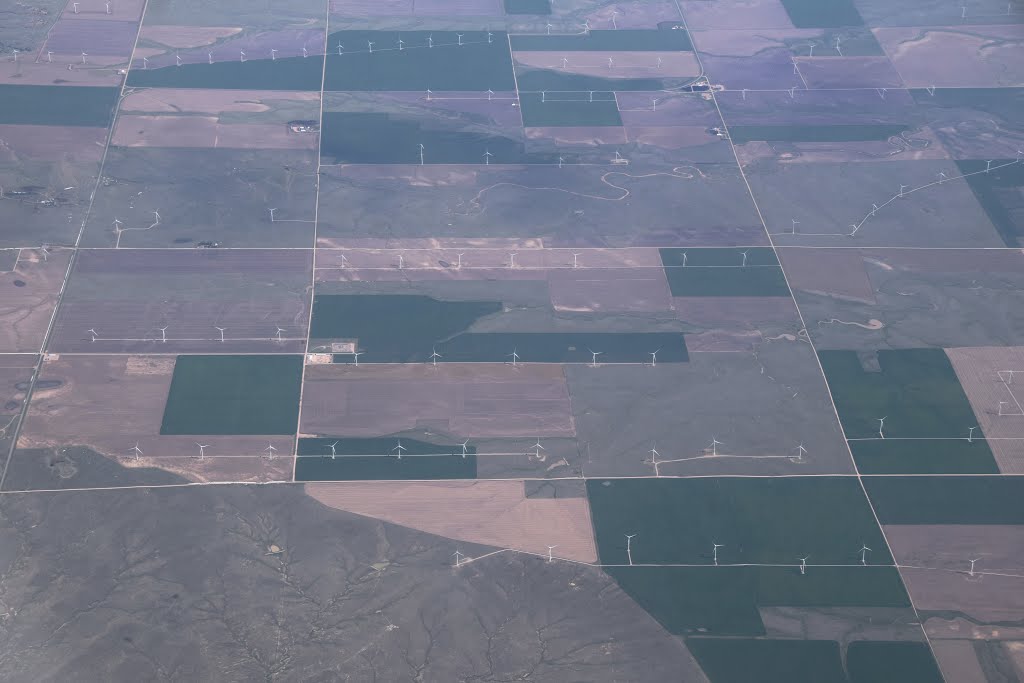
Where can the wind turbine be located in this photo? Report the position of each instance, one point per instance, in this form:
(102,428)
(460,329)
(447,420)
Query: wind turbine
(269,450)
(550,548)
(434,356)
(137,450)
(864,550)
(156,217)
(279,331)
(629,548)
(221,330)
(715,443)
(654,358)
(356,355)
(399,449)
(272,213)
(575,256)
(800,450)
(465,448)
(537,448)
(333,446)
(202,449)
(971,572)
(458,557)
(163,333)
(881,426)
(93,333)
(744,253)
(514,356)
(803,564)
(714,551)
(593,357)
(487,157)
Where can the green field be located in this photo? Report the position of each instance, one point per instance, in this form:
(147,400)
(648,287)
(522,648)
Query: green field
(390,323)
(999,192)
(757,520)
(724,601)
(822,13)
(815,133)
(947,500)
(874,662)
(476,65)
(287,73)
(743,660)
(561,82)
(376,138)
(233,395)
(718,272)
(569,109)
(938,456)
(617,40)
(916,391)
(356,468)
(403,328)
(57,105)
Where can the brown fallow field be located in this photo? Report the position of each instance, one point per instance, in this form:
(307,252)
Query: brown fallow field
(495,513)
(168,117)
(31,283)
(468,400)
(112,403)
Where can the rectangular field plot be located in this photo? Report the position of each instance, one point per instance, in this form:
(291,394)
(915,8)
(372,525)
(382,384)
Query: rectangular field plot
(947,500)
(999,186)
(779,382)
(467,401)
(955,56)
(908,298)
(387,467)
(727,601)
(815,133)
(913,392)
(95,420)
(220,196)
(378,326)
(822,13)
(677,521)
(233,395)
(847,204)
(438,60)
(974,123)
(724,272)
(273,14)
(570,109)
(30,280)
(286,73)
(185,301)
(244,119)
(657,40)
(572,206)
(57,105)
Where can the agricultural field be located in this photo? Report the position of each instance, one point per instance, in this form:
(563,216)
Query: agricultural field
(494,340)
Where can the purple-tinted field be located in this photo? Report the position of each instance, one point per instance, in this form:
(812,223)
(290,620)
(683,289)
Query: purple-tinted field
(386,8)
(95,37)
(256,45)
(772,70)
(51,143)
(92,10)
(812,107)
(126,296)
(609,290)
(501,108)
(667,109)
(975,56)
(578,135)
(849,72)
(57,72)
(576,206)
(643,14)
(735,14)
(735,312)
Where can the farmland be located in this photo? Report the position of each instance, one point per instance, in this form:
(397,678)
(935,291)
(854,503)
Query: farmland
(495,340)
